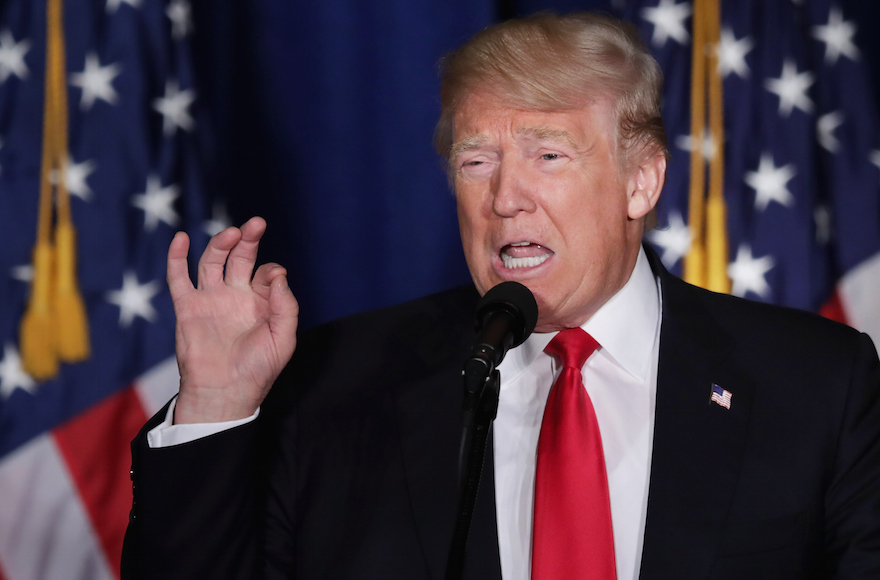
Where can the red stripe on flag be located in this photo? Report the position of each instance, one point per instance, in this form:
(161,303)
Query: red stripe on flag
(95,446)
(833,309)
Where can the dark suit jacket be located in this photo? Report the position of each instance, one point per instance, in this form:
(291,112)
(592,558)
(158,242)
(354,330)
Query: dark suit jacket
(350,470)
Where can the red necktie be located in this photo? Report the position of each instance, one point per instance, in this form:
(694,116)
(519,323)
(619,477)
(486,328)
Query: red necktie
(572,536)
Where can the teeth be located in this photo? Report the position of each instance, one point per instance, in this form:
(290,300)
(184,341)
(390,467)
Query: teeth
(530,262)
(518,244)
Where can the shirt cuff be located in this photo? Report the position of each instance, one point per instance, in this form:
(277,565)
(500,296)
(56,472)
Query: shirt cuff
(166,433)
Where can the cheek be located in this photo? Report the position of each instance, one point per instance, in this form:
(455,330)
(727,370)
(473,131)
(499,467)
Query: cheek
(470,220)
(469,232)
(464,222)
(472,229)
(608,209)
(595,230)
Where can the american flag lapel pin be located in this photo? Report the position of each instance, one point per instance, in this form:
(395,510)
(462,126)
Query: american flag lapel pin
(721,396)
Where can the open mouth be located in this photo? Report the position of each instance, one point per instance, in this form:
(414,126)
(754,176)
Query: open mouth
(524,255)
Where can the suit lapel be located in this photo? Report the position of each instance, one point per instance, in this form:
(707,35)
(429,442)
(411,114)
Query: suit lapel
(698,444)
(428,410)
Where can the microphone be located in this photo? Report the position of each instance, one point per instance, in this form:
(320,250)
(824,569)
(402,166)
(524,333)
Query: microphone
(504,318)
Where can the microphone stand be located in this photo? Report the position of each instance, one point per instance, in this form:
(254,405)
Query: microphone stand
(504,318)
(480,408)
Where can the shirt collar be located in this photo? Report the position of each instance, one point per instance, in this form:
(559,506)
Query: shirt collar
(626,327)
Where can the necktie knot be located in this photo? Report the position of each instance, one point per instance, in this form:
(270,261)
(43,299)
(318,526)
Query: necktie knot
(573,346)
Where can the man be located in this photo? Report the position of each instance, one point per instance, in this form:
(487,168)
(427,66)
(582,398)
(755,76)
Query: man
(739,440)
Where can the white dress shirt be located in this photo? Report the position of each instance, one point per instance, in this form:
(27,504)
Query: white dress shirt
(621,379)
(166,433)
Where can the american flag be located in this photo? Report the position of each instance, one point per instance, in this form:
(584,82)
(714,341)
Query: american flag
(721,396)
(134,180)
(801,152)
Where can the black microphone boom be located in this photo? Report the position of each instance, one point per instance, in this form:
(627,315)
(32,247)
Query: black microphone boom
(504,318)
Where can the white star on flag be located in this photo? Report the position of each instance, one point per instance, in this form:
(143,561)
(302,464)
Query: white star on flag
(113,5)
(134,299)
(747,273)
(22,273)
(771,183)
(732,54)
(219,220)
(708,148)
(825,127)
(674,239)
(75,178)
(180,14)
(12,375)
(838,37)
(157,203)
(12,56)
(96,82)
(174,108)
(791,88)
(668,20)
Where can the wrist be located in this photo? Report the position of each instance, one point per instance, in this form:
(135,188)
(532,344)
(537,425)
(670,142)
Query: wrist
(211,407)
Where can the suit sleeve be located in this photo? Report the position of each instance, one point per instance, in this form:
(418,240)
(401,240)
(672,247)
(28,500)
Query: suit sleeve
(852,501)
(195,512)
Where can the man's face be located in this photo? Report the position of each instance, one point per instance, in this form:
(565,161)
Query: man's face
(541,201)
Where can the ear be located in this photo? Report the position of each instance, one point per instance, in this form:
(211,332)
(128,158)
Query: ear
(644,186)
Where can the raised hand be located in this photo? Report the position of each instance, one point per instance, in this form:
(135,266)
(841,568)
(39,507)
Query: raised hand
(235,331)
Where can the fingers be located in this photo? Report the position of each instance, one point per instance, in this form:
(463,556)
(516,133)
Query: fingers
(213,259)
(283,315)
(243,256)
(270,282)
(265,275)
(233,251)
(179,282)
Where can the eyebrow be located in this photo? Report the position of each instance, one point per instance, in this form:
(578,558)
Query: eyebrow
(545,133)
(468,144)
(539,133)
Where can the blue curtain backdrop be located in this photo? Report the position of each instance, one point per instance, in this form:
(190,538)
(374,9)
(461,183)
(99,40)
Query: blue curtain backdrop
(322,116)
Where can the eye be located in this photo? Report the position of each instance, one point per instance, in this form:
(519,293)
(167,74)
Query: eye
(550,156)
(476,166)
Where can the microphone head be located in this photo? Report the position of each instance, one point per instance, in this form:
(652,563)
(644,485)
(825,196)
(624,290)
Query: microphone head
(514,299)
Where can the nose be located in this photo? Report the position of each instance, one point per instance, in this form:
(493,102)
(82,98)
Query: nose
(512,192)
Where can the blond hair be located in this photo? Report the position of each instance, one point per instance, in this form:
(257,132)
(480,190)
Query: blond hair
(551,62)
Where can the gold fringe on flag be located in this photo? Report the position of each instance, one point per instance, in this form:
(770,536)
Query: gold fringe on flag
(55,326)
(706,262)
